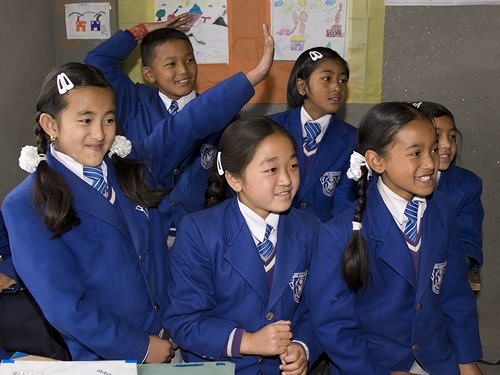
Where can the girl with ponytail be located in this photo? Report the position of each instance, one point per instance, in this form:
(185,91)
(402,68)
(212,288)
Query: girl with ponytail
(388,282)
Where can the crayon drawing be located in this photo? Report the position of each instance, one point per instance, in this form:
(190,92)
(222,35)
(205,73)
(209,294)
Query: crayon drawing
(298,25)
(87,20)
(208,28)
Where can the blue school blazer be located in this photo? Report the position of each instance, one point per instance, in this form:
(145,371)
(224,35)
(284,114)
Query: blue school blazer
(139,109)
(219,284)
(325,190)
(401,317)
(102,284)
(465,189)
(6,266)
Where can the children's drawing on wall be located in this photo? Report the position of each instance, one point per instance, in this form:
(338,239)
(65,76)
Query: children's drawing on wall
(208,26)
(301,24)
(87,20)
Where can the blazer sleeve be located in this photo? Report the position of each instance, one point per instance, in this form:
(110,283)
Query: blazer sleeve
(208,113)
(192,288)
(51,273)
(6,265)
(107,57)
(470,223)
(333,315)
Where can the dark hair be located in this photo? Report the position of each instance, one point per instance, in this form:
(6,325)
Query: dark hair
(303,68)
(237,147)
(436,110)
(156,38)
(377,132)
(52,197)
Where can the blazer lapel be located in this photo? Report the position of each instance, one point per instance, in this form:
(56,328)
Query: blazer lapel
(392,248)
(289,253)
(242,254)
(331,146)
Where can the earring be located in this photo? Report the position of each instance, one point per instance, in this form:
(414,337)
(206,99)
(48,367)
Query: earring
(52,138)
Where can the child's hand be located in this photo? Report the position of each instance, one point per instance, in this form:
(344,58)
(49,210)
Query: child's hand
(469,369)
(176,22)
(160,351)
(272,339)
(261,70)
(294,360)
(6,282)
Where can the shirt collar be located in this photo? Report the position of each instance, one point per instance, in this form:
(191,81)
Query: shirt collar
(396,204)
(256,224)
(181,102)
(74,166)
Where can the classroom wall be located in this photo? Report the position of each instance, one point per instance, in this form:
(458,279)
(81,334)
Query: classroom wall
(446,54)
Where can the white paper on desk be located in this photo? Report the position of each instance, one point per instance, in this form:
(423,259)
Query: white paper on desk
(13,367)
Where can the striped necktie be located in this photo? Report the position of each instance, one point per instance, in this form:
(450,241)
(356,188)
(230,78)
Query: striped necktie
(174,107)
(411,212)
(266,247)
(312,131)
(97,177)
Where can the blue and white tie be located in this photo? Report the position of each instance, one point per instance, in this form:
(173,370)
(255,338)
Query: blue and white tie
(312,131)
(265,247)
(411,212)
(174,107)
(97,177)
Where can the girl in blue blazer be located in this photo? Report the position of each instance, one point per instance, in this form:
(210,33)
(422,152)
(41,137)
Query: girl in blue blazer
(462,185)
(238,269)
(388,282)
(84,228)
(317,89)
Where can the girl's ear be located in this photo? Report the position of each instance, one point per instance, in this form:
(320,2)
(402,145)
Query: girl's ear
(233,181)
(375,161)
(48,124)
(301,86)
(148,74)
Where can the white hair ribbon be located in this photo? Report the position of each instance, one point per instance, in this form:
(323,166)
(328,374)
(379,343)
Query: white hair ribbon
(64,84)
(356,225)
(357,161)
(30,158)
(315,55)
(220,170)
(416,104)
(121,146)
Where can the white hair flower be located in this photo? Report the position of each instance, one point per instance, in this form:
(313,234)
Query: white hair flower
(30,158)
(121,146)
(357,161)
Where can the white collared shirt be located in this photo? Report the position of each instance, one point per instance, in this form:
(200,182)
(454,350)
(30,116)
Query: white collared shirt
(181,102)
(257,225)
(397,206)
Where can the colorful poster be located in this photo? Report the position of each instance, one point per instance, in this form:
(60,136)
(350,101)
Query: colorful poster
(298,25)
(208,27)
(87,20)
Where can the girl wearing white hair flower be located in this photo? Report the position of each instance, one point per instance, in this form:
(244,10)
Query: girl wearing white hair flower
(84,227)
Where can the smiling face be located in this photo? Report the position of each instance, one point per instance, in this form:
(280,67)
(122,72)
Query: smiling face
(326,90)
(173,68)
(410,164)
(86,127)
(271,179)
(447,135)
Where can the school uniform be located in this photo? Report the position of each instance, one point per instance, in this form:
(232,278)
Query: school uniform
(102,284)
(325,190)
(23,327)
(405,315)
(139,109)
(220,284)
(465,189)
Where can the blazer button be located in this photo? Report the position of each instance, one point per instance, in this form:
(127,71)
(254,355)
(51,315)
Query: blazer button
(303,205)
(269,316)
(177,171)
(175,204)
(142,256)
(156,307)
(415,348)
(261,360)
(418,307)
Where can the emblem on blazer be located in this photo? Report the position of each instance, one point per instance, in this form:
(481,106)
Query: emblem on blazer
(329,182)
(208,153)
(297,283)
(437,276)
